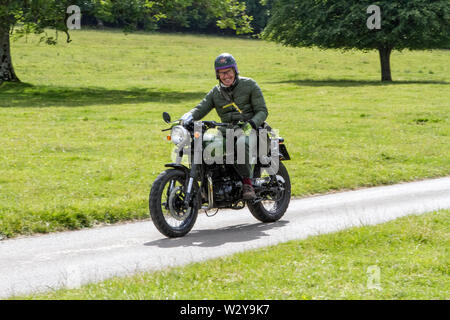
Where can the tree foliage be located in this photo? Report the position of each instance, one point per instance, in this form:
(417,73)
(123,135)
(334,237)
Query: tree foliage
(33,16)
(259,10)
(405,24)
(150,15)
(22,17)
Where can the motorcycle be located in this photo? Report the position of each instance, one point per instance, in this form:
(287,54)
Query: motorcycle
(178,193)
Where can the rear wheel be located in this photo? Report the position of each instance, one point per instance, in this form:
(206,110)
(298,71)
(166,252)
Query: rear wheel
(276,195)
(166,204)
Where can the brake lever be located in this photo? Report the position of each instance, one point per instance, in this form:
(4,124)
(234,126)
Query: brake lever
(172,122)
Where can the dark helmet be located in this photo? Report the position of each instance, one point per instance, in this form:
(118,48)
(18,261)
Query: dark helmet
(225,61)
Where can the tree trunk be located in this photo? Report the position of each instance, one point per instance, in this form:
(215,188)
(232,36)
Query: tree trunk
(6,68)
(385,60)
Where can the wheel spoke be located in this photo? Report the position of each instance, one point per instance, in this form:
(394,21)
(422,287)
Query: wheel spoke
(172,207)
(272,200)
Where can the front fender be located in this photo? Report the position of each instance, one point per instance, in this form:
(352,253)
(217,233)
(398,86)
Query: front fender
(179,166)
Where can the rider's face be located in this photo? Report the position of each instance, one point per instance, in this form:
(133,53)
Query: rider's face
(227,76)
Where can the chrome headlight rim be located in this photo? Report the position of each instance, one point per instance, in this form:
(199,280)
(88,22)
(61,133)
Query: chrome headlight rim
(179,135)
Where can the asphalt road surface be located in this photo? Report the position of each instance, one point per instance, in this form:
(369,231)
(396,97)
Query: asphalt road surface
(69,259)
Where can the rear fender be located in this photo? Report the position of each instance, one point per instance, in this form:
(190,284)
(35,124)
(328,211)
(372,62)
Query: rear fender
(282,151)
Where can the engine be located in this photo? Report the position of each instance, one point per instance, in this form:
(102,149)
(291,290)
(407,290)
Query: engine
(227,188)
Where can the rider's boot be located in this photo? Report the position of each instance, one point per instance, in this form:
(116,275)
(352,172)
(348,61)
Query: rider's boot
(248,192)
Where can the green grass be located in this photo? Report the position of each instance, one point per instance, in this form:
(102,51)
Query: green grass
(81,141)
(410,254)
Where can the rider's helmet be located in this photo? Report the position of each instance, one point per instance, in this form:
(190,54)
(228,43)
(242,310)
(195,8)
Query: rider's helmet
(225,61)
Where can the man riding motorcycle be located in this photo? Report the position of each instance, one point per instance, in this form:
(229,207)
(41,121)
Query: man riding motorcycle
(237,100)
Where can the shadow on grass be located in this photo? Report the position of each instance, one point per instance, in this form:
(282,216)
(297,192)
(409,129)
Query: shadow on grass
(27,95)
(355,83)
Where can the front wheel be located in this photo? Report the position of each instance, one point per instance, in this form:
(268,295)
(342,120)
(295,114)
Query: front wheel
(166,204)
(275,197)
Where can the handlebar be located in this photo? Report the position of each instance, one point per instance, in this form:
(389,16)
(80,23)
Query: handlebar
(208,124)
(215,124)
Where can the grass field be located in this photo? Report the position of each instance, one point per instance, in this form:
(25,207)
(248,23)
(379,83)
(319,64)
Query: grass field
(403,259)
(81,141)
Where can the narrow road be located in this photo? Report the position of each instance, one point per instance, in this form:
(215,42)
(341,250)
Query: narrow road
(69,259)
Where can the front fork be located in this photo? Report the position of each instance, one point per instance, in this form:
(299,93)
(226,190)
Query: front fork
(190,184)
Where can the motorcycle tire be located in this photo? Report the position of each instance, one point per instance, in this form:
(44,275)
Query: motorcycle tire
(165,205)
(260,211)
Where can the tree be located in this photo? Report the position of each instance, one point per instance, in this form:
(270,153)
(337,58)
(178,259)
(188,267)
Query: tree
(34,16)
(31,16)
(260,12)
(346,24)
(203,14)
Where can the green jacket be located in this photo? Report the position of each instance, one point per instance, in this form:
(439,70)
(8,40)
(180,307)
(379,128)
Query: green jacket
(243,101)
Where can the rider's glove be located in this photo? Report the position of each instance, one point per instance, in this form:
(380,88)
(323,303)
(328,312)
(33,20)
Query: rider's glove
(247,128)
(187,118)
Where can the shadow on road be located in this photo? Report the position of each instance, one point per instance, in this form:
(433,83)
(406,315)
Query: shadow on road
(217,237)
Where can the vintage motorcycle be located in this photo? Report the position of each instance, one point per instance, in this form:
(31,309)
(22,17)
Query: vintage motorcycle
(177,194)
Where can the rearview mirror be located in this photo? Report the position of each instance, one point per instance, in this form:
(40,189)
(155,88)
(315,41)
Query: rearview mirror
(166,117)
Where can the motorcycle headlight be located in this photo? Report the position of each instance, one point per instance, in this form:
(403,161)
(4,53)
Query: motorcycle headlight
(179,134)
